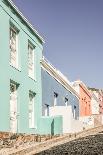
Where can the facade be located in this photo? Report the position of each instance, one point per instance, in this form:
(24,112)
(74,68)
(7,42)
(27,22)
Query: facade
(99,95)
(94,103)
(20,80)
(97,106)
(85,98)
(85,110)
(21,94)
(59,98)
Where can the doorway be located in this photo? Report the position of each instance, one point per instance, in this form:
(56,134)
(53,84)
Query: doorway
(13,107)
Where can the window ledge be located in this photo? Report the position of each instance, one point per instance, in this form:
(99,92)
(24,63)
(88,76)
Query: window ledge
(32,78)
(18,69)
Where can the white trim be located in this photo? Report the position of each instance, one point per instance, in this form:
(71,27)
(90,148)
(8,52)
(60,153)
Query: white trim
(25,20)
(33,65)
(66,101)
(58,76)
(46,110)
(78,82)
(55,101)
(17,56)
(13,109)
(31,114)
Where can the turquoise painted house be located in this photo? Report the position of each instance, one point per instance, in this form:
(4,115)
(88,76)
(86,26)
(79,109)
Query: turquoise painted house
(20,80)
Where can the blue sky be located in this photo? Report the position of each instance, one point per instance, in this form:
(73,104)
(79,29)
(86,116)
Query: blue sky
(73,33)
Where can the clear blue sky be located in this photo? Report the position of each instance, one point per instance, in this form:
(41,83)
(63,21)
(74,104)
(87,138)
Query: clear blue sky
(73,32)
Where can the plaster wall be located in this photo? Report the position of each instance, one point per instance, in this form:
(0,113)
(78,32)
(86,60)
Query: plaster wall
(88,121)
(85,102)
(94,106)
(69,124)
(51,85)
(20,75)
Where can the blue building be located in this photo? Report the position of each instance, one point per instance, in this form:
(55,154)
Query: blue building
(58,96)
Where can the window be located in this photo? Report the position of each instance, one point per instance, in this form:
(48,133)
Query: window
(46,110)
(66,101)
(30,61)
(74,111)
(31,109)
(55,98)
(13,47)
(13,107)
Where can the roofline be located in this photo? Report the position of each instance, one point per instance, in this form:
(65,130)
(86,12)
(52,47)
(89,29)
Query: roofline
(96,90)
(58,76)
(93,89)
(79,82)
(25,20)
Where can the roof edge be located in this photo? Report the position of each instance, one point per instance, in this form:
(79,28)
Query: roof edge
(25,20)
(58,76)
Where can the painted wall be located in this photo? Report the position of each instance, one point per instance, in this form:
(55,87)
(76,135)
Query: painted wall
(94,106)
(88,121)
(49,86)
(100,96)
(20,76)
(85,98)
(51,125)
(85,102)
(94,103)
(70,125)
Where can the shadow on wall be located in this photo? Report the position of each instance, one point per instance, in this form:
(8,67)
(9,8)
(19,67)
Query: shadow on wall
(52,127)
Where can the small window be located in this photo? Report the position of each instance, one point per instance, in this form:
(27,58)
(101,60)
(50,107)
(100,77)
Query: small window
(13,47)
(55,98)
(46,110)
(74,112)
(30,60)
(66,101)
(74,107)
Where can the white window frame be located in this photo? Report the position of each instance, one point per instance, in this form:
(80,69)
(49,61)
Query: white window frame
(74,111)
(66,101)
(13,107)
(31,111)
(16,65)
(32,47)
(46,110)
(55,98)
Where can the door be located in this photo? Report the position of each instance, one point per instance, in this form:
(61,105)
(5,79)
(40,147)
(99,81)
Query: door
(13,108)
(31,110)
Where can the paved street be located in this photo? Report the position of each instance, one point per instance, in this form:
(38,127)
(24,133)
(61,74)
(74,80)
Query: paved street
(91,145)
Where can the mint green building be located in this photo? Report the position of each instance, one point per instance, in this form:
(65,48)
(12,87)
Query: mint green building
(20,80)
